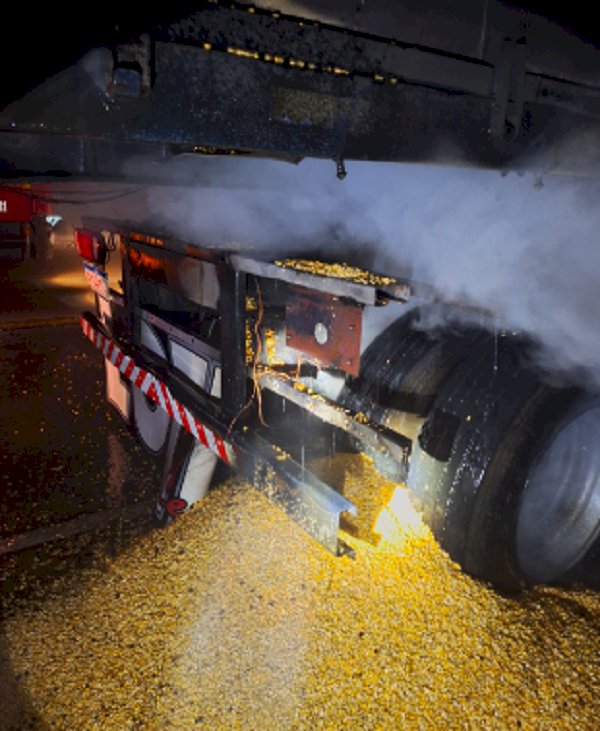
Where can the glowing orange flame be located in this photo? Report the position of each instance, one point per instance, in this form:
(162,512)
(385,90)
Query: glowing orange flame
(399,522)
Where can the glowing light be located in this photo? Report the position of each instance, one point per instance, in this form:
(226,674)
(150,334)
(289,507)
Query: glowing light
(67,280)
(399,521)
(242,52)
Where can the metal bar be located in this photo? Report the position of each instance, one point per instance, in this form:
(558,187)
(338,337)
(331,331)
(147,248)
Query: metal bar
(232,313)
(181,336)
(361,293)
(310,503)
(399,291)
(129,288)
(385,442)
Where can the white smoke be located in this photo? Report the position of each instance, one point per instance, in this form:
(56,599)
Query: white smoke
(525,246)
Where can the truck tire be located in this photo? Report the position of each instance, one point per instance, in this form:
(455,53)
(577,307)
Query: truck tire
(402,369)
(513,504)
(544,484)
(405,364)
(484,460)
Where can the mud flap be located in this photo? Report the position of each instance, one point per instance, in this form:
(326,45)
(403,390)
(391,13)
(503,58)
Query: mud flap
(117,392)
(189,467)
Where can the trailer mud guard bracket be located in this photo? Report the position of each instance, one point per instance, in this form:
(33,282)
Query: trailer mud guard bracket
(312,504)
(324,327)
(315,506)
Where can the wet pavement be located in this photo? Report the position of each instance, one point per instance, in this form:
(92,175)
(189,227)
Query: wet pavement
(37,290)
(63,451)
(68,462)
(232,618)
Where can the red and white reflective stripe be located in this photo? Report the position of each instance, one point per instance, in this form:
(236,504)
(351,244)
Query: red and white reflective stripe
(159,392)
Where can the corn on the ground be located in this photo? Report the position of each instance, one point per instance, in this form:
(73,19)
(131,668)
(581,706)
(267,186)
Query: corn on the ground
(233,618)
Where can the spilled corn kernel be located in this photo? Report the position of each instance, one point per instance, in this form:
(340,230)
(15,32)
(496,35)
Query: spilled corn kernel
(233,618)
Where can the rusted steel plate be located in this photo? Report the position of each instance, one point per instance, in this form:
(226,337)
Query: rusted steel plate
(325,328)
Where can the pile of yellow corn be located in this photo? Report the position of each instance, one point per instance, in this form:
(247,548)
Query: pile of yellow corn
(338,271)
(233,618)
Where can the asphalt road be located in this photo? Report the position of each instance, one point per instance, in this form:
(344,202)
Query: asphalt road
(62,446)
(43,290)
(66,459)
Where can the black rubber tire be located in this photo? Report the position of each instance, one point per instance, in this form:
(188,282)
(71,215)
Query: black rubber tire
(493,548)
(459,472)
(405,365)
(403,369)
(490,419)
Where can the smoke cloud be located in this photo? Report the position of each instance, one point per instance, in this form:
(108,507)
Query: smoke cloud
(525,246)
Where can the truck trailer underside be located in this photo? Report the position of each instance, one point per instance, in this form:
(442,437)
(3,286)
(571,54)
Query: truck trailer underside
(481,84)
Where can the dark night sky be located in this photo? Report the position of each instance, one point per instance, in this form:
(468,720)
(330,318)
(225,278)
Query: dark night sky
(48,38)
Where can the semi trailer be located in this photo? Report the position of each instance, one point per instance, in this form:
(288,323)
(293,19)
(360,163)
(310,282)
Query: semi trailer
(210,353)
(214,355)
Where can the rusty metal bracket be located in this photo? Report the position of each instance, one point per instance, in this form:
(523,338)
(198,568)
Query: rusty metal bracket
(325,328)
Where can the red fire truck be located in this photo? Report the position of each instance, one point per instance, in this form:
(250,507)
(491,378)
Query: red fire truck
(23,227)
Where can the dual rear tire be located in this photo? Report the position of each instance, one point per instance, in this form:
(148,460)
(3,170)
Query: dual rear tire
(506,466)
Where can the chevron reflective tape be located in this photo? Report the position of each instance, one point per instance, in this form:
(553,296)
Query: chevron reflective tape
(158,392)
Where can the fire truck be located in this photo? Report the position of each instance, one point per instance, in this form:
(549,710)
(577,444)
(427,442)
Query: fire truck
(215,354)
(23,227)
